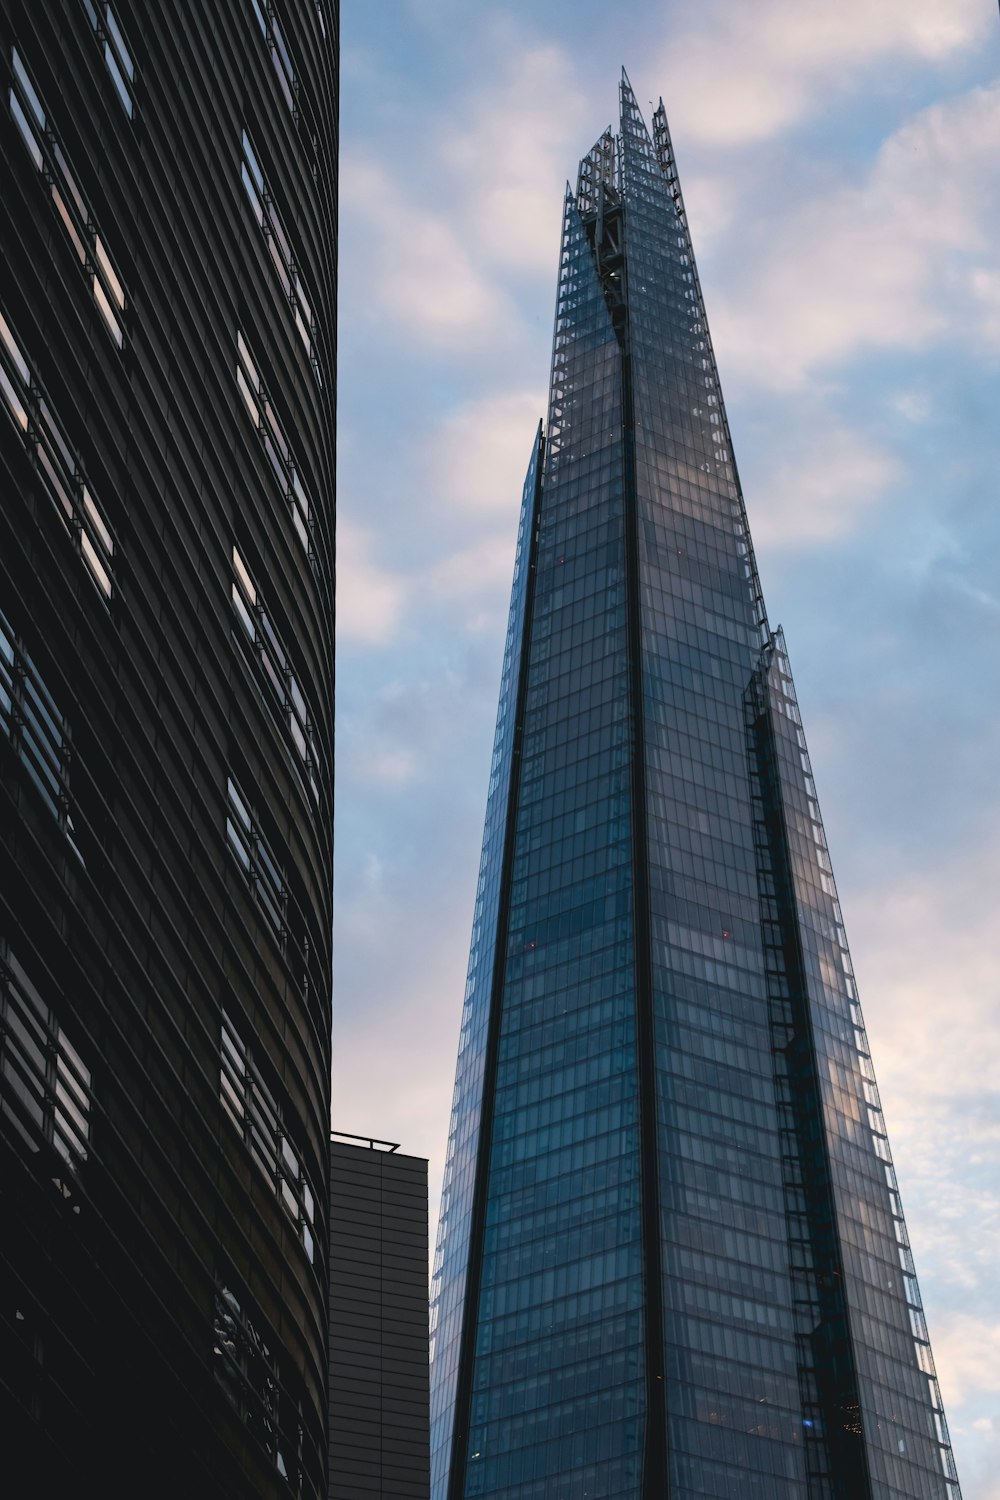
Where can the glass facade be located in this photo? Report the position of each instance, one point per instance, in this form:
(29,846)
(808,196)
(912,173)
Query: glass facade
(672,1259)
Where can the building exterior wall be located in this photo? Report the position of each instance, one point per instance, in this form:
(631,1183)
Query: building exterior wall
(378,1324)
(166,713)
(671,1259)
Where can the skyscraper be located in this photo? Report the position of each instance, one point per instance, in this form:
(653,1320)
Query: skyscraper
(167,365)
(672,1259)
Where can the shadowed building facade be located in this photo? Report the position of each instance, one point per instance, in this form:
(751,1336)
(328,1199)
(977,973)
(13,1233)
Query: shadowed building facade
(378,1322)
(167,365)
(672,1259)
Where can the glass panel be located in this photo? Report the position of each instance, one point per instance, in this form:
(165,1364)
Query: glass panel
(298,737)
(275,677)
(279,264)
(11,345)
(269,868)
(114,326)
(27,133)
(279,436)
(283,245)
(232,1098)
(244,390)
(71,1110)
(252,195)
(283,52)
(119,41)
(244,577)
(117,79)
(71,1064)
(97,521)
(275,644)
(114,285)
(250,157)
(27,88)
(56,487)
(236,802)
(95,564)
(239,847)
(301,498)
(14,405)
(52,433)
(40,709)
(69,183)
(244,355)
(244,614)
(70,227)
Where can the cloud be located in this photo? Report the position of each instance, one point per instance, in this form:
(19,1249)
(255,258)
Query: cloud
(432,233)
(923,956)
(520,134)
(970,1349)
(409,265)
(827,475)
(370,599)
(479,454)
(900,261)
(743,73)
(386,766)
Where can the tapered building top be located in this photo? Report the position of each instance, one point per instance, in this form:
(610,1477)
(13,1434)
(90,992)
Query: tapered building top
(672,1259)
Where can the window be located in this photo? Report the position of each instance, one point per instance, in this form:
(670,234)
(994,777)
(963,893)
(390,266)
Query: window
(55,461)
(46,1086)
(246,1370)
(279,245)
(34,726)
(279,454)
(256,861)
(252,1108)
(263,640)
(280,56)
(117,54)
(68,200)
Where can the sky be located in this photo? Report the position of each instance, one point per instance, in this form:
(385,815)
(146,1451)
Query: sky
(841,171)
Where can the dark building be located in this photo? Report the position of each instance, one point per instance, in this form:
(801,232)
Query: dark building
(379,1447)
(672,1257)
(167,364)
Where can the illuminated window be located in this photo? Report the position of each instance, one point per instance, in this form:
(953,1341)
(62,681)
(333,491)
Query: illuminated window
(55,461)
(117,54)
(279,454)
(256,861)
(35,728)
(246,1369)
(252,1108)
(274,40)
(72,208)
(46,1092)
(279,246)
(262,640)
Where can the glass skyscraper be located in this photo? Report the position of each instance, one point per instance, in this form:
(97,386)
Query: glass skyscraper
(672,1260)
